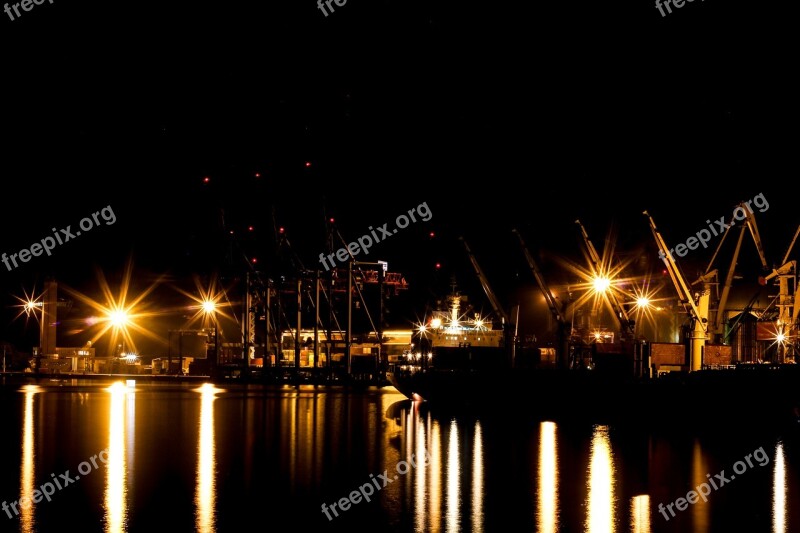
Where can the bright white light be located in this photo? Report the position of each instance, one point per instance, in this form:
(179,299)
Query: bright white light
(209,306)
(643,302)
(118,318)
(780,337)
(436,323)
(601,283)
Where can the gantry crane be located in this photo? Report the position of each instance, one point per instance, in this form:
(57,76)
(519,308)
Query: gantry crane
(710,277)
(627,329)
(559,311)
(696,305)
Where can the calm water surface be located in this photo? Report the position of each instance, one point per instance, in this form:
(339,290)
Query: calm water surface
(140,457)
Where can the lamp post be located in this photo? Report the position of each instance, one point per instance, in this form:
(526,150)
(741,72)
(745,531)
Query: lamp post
(210,311)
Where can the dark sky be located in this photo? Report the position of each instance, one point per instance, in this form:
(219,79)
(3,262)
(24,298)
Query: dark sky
(494,115)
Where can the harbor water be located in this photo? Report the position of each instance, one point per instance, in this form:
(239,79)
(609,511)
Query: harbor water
(126,456)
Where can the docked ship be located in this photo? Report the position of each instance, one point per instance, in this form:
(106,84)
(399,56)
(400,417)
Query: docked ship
(452,348)
(462,361)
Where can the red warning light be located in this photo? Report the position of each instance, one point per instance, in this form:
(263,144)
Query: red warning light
(438,266)
(280,230)
(332,220)
(308,164)
(432,235)
(258,174)
(250,228)
(255,260)
(206,179)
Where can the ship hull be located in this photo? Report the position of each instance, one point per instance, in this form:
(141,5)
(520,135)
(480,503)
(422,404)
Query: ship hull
(721,396)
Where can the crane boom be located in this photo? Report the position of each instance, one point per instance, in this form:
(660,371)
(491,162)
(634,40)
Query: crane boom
(498,309)
(698,312)
(559,312)
(750,224)
(726,289)
(555,309)
(750,221)
(627,325)
(791,245)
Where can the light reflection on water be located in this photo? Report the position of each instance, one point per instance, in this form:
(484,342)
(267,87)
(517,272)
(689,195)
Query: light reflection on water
(304,447)
(27,503)
(206,461)
(477,480)
(116,469)
(779,491)
(640,514)
(547,513)
(600,484)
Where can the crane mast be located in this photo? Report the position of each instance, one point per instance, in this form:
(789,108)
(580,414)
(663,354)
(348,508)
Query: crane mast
(558,311)
(787,302)
(710,276)
(555,309)
(698,311)
(498,309)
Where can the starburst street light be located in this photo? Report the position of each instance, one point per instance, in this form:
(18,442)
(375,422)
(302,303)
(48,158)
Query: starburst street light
(30,304)
(601,284)
(118,314)
(118,318)
(209,306)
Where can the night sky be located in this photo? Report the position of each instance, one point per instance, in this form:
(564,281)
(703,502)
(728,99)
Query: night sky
(493,115)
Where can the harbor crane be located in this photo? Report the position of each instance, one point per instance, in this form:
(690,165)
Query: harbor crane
(695,304)
(627,329)
(559,311)
(710,277)
(787,296)
(487,289)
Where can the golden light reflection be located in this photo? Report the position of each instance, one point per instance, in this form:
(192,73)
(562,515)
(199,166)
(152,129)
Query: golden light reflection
(701,520)
(130,426)
(116,491)
(477,480)
(600,501)
(420,473)
(436,469)
(779,491)
(205,492)
(547,512)
(119,314)
(640,514)
(427,489)
(453,481)
(27,506)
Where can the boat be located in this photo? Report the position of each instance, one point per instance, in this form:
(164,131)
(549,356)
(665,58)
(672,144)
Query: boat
(454,351)
(463,362)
